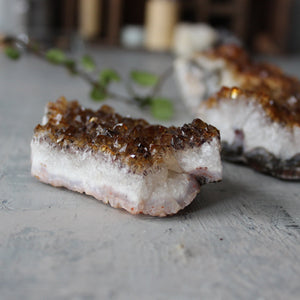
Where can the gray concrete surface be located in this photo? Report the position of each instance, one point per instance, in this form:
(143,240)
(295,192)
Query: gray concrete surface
(239,239)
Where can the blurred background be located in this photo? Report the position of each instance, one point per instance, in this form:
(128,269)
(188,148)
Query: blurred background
(182,26)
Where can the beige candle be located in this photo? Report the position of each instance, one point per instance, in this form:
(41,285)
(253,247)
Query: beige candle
(161,18)
(89,18)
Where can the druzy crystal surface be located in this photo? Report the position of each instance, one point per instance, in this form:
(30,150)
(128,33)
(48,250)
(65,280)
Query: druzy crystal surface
(133,141)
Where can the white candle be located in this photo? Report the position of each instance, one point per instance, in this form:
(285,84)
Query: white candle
(89,18)
(161,18)
(13,16)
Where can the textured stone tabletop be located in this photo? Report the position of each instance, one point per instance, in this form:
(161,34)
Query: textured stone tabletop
(239,239)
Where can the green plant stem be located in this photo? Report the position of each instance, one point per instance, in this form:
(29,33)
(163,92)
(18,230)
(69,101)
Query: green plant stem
(141,101)
(10,40)
(162,79)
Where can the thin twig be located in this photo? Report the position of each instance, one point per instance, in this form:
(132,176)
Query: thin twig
(162,78)
(133,98)
(80,73)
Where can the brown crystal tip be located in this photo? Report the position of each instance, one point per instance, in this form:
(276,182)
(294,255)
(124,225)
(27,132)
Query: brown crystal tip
(238,58)
(133,141)
(284,112)
(277,92)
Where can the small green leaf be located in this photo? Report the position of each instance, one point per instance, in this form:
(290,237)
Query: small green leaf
(12,53)
(144,78)
(71,66)
(161,108)
(98,94)
(88,63)
(108,75)
(56,56)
